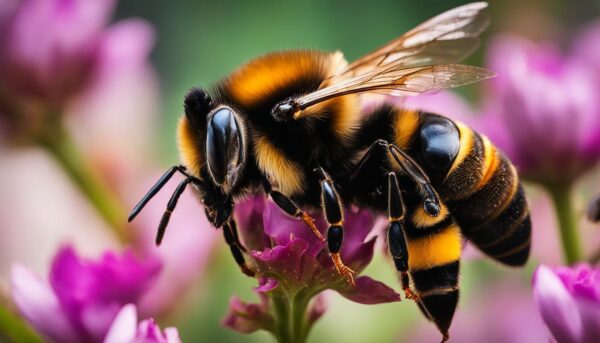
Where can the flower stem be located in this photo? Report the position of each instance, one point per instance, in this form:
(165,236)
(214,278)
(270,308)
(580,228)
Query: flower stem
(291,318)
(61,147)
(299,329)
(567,221)
(281,307)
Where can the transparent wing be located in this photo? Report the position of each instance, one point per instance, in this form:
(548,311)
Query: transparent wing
(417,62)
(400,81)
(446,38)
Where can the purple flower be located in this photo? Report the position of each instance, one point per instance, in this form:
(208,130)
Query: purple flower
(569,301)
(84,296)
(125,329)
(51,51)
(293,265)
(543,110)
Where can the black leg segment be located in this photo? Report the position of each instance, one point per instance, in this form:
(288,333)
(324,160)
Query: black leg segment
(288,206)
(230,235)
(332,206)
(396,237)
(156,188)
(170,207)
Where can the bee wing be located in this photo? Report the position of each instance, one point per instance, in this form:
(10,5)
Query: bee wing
(399,81)
(445,38)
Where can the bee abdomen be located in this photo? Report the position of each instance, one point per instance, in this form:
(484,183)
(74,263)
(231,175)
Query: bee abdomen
(434,253)
(438,289)
(507,238)
(493,211)
(466,172)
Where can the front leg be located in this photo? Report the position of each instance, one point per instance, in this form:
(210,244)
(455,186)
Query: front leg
(332,206)
(288,206)
(236,247)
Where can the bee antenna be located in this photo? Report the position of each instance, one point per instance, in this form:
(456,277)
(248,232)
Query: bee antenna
(155,189)
(162,227)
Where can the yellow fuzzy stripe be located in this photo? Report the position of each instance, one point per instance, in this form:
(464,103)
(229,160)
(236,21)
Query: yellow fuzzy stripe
(466,145)
(422,220)
(435,250)
(491,161)
(189,151)
(407,123)
(286,175)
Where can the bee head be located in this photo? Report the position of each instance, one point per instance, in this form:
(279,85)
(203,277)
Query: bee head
(224,138)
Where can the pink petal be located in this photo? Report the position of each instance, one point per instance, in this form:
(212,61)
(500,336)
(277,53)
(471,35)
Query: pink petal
(368,291)
(246,318)
(172,335)
(126,44)
(557,306)
(40,306)
(266,285)
(123,328)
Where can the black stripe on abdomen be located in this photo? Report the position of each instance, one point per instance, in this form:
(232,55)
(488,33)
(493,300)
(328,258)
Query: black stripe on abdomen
(438,289)
(507,238)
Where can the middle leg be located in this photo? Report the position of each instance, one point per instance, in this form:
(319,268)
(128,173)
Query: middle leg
(396,238)
(332,206)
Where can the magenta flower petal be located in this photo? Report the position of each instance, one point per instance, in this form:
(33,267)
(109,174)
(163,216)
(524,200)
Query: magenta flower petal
(249,217)
(87,295)
(293,265)
(127,43)
(288,264)
(280,227)
(246,318)
(92,293)
(39,305)
(125,329)
(149,332)
(266,285)
(369,291)
(583,283)
(557,306)
(539,93)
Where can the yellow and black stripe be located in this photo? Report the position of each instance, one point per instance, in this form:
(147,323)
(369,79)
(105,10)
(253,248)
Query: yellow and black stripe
(476,181)
(492,210)
(434,250)
(286,152)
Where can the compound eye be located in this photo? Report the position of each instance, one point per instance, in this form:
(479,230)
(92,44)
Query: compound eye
(197,105)
(223,144)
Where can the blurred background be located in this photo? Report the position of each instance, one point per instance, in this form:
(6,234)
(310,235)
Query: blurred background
(126,128)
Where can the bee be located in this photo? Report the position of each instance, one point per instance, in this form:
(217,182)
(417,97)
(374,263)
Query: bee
(291,124)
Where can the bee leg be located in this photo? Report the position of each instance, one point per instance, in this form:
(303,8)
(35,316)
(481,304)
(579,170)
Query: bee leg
(158,186)
(431,201)
(162,227)
(332,206)
(237,249)
(375,150)
(396,238)
(289,207)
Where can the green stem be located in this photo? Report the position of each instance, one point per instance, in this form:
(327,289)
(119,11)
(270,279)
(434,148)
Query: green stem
(290,317)
(14,329)
(299,329)
(60,146)
(281,307)
(567,221)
